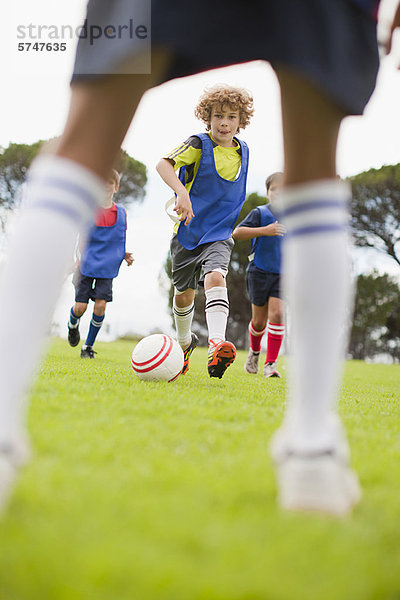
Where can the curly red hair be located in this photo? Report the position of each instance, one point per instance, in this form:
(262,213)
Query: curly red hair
(219,95)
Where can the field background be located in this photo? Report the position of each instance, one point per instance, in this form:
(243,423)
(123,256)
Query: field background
(166,491)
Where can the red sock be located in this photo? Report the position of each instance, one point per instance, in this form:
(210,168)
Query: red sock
(255,337)
(276,331)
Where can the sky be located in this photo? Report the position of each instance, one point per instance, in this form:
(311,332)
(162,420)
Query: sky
(34,105)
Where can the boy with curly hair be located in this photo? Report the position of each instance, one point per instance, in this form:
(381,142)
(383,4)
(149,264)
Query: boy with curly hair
(210,191)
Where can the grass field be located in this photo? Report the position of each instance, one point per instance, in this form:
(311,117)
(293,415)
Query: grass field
(145,491)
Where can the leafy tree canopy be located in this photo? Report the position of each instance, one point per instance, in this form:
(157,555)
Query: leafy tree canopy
(376,209)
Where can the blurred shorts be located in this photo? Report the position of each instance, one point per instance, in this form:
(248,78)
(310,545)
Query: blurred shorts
(262,285)
(90,288)
(332,43)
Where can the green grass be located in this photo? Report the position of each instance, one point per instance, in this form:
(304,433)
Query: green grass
(144,491)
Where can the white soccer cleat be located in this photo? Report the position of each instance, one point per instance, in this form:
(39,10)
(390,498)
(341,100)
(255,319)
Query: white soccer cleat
(251,364)
(316,481)
(270,370)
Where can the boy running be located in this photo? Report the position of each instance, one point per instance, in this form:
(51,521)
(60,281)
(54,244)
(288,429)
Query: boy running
(263,279)
(100,263)
(210,192)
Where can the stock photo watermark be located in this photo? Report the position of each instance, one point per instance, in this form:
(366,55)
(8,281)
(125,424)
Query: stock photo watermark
(114,38)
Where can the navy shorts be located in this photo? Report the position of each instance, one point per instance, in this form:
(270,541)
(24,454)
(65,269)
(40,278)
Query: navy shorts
(332,43)
(92,288)
(261,285)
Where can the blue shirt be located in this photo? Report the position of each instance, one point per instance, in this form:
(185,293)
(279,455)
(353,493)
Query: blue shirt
(265,253)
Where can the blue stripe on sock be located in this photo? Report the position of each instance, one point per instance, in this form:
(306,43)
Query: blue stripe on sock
(305,206)
(71,213)
(68,186)
(311,229)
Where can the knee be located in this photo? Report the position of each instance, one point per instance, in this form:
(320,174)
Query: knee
(276,316)
(259,324)
(184,299)
(79,309)
(214,279)
(100,307)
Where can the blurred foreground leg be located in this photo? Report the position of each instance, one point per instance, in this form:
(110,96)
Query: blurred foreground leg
(62,194)
(310,449)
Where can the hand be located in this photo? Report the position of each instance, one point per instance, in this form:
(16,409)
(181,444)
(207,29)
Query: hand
(395,25)
(275,229)
(183,207)
(129,258)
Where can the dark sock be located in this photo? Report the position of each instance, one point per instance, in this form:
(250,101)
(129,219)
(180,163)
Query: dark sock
(95,325)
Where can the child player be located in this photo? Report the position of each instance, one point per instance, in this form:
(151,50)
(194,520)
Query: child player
(212,188)
(99,265)
(263,279)
(333,76)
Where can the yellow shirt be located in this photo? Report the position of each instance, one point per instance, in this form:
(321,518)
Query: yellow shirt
(227,160)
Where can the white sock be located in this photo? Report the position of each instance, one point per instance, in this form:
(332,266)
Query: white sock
(217,312)
(317,285)
(60,201)
(183,322)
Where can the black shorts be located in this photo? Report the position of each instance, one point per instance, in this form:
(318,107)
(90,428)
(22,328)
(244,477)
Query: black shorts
(262,285)
(332,43)
(92,288)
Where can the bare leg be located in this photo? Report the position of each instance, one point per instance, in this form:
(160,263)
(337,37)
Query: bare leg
(62,195)
(99,307)
(79,308)
(275,310)
(317,284)
(100,114)
(259,316)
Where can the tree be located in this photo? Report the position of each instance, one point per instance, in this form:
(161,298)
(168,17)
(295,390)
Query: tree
(376,320)
(376,209)
(240,309)
(14,163)
(133,179)
(16,159)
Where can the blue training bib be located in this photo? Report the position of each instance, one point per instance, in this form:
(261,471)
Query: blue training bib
(267,249)
(105,249)
(216,201)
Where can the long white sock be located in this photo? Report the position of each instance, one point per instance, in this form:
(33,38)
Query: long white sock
(60,201)
(317,285)
(183,323)
(217,312)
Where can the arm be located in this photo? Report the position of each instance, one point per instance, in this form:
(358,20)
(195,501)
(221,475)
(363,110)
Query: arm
(395,25)
(183,205)
(129,258)
(248,233)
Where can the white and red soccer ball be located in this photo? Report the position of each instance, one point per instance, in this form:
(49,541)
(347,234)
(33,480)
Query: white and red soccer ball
(157,357)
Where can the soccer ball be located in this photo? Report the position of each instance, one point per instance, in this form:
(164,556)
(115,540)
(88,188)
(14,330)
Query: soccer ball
(157,357)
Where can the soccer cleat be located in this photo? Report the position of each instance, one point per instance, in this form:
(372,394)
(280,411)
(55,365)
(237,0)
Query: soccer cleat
(315,481)
(88,352)
(220,357)
(73,336)
(270,370)
(251,364)
(188,352)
